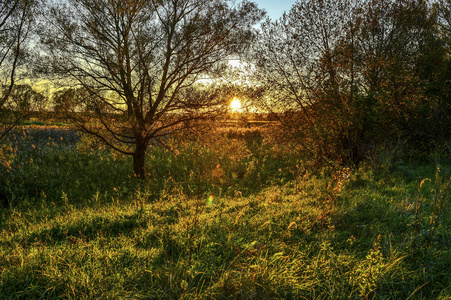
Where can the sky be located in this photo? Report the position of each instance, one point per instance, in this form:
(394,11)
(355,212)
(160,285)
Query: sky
(275,8)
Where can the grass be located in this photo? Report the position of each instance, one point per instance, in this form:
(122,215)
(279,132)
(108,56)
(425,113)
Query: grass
(76,225)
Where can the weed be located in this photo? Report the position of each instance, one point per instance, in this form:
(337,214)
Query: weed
(77,225)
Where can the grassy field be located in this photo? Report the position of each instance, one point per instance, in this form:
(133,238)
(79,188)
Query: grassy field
(75,224)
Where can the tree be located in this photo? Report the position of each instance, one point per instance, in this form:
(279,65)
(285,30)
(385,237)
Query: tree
(141,60)
(346,71)
(23,98)
(16,20)
(437,68)
(443,11)
(296,60)
(71,101)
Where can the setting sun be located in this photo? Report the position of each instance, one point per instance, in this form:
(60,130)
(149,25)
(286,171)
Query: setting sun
(235,105)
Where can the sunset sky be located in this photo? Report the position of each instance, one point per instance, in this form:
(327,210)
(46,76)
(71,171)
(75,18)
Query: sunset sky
(275,8)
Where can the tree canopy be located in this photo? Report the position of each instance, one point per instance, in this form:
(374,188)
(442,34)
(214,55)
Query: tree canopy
(17,18)
(141,62)
(356,73)
(342,77)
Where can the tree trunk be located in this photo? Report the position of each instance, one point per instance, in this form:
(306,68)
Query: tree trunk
(139,158)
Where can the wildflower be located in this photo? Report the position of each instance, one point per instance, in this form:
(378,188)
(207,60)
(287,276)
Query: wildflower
(351,240)
(210,200)
(218,172)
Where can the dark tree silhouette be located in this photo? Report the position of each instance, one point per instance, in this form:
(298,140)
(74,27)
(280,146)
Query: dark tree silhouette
(16,20)
(141,61)
(345,72)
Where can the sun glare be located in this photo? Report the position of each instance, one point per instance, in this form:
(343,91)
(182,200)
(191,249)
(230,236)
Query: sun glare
(235,105)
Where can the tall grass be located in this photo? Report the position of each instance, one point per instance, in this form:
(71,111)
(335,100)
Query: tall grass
(267,230)
(47,163)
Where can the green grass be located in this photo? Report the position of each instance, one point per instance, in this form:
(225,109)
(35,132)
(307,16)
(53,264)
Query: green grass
(270,233)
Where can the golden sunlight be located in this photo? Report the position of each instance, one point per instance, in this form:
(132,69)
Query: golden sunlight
(235,105)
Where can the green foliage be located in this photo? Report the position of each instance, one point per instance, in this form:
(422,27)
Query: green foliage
(46,164)
(271,231)
(345,77)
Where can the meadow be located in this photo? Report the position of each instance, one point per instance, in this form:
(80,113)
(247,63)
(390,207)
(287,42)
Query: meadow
(76,224)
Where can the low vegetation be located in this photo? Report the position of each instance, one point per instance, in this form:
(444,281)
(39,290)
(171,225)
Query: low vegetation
(190,150)
(75,224)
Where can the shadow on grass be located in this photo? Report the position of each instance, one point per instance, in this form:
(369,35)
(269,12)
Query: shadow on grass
(85,230)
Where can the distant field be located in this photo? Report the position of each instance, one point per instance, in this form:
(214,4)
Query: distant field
(75,224)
